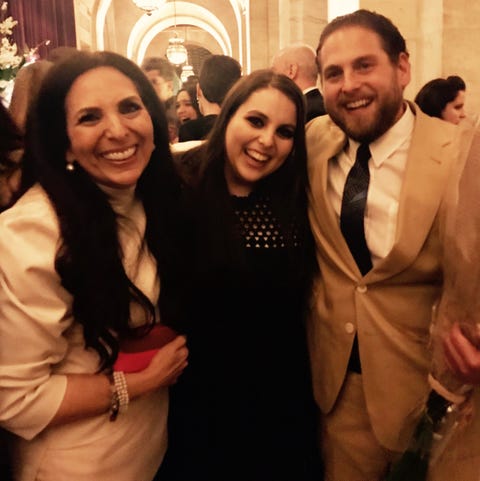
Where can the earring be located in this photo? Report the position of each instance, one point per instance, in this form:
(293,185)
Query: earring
(70,166)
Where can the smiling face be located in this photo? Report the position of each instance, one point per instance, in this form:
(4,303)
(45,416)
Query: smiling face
(185,109)
(109,128)
(362,88)
(258,139)
(454,111)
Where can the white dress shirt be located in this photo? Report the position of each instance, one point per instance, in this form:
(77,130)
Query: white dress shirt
(387,167)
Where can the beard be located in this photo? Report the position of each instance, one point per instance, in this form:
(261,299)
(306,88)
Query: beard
(366,129)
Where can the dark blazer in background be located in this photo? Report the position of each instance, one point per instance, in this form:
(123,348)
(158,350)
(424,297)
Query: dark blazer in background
(315,105)
(196,129)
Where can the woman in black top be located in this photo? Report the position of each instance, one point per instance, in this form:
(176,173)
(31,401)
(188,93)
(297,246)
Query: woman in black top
(243,410)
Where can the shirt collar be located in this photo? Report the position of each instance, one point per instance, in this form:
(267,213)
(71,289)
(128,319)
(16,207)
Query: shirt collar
(309,89)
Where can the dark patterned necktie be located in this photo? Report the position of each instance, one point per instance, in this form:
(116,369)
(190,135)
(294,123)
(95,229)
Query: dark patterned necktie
(353,209)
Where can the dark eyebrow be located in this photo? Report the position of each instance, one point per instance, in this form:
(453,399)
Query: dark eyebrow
(131,98)
(85,111)
(365,58)
(95,109)
(256,112)
(331,68)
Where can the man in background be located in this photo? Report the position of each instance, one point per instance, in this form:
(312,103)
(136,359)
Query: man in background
(161,74)
(217,75)
(299,62)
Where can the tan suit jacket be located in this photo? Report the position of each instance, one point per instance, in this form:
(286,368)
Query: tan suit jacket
(390,307)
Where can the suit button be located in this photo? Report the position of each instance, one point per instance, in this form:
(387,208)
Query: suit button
(361,289)
(349,328)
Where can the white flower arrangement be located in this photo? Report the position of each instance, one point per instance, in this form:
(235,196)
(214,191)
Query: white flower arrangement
(10,61)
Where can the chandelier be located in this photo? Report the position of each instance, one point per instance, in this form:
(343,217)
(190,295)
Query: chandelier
(176,52)
(149,5)
(187,71)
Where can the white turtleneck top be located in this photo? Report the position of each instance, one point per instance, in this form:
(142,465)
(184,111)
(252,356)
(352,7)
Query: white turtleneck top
(40,343)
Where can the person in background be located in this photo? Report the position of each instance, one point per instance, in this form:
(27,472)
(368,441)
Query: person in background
(299,62)
(173,126)
(27,83)
(380,258)
(191,80)
(217,75)
(186,104)
(88,258)
(443,98)
(11,148)
(162,75)
(60,53)
(243,410)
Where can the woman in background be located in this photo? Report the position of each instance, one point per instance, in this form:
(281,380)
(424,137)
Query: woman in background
(186,104)
(88,256)
(443,98)
(243,410)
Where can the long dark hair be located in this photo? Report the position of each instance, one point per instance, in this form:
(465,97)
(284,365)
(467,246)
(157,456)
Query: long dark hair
(286,188)
(191,90)
(10,136)
(11,139)
(89,260)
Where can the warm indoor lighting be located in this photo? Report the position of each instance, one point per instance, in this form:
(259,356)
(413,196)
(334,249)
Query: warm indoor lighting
(187,71)
(149,5)
(176,51)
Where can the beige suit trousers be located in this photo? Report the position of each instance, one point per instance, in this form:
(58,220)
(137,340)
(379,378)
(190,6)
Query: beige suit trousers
(350,449)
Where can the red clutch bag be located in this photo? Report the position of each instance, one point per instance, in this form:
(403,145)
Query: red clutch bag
(136,353)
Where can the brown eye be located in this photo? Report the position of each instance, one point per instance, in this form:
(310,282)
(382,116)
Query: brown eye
(332,73)
(88,117)
(255,121)
(129,106)
(286,132)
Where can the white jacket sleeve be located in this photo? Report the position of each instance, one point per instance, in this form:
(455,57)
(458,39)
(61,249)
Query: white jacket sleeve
(34,314)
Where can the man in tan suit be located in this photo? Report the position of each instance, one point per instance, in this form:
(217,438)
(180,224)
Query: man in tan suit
(369,328)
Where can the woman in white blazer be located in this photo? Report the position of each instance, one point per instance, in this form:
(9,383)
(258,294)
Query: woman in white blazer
(83,253)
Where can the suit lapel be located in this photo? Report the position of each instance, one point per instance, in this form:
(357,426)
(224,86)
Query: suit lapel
(325,140)
(425,179)
(427,171)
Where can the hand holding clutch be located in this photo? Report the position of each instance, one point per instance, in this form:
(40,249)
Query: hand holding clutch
(136,353)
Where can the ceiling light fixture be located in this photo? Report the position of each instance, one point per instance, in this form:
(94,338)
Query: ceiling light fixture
(187,71)
(148,6)
(176,51)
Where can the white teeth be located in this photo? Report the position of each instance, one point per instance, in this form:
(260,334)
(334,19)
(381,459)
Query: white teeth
(357,103)
(124,154)
(257,156)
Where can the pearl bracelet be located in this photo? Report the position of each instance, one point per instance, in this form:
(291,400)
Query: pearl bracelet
(120,398)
